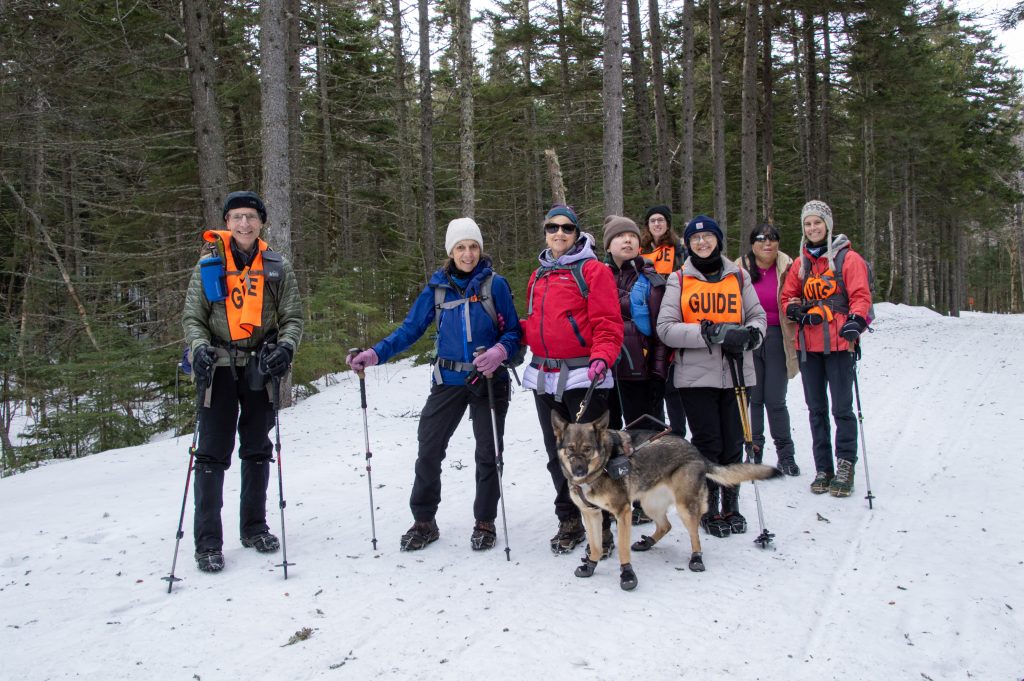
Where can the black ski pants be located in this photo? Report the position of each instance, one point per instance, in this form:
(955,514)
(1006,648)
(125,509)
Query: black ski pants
(629,400)
(440,417)
(770,394)
(715,425)
(233,406)
(565,509)
(674,405)
(833,372)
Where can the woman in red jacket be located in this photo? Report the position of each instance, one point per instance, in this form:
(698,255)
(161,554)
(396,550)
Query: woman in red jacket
(827,293)
(574,330)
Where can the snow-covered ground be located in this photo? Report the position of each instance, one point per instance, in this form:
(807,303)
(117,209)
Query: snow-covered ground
(928,585)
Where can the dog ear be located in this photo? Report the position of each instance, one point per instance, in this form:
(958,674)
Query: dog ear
(558,424)
(601,424)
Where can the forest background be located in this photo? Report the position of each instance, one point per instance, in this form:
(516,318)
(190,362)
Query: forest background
(366,126)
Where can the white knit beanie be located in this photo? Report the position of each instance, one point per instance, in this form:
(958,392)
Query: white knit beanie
(459,229)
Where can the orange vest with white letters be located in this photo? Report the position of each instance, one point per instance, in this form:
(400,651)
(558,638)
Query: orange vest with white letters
(719,301)
(244,303)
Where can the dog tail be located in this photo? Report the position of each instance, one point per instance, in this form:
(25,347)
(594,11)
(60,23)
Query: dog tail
(741,472)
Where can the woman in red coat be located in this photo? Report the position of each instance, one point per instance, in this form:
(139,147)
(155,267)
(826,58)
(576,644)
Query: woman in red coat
(827,293)
(574,330)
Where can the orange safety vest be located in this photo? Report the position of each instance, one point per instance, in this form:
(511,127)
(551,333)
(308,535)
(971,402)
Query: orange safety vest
(244,303)
(718,302)
(820,287)
(664,257)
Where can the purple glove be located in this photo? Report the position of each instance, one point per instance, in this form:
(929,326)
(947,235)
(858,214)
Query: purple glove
(487,362)
(363,360)
(598,368)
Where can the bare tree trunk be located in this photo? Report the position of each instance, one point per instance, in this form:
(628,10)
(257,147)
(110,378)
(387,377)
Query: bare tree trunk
(405,171)
(330,220)
(467,163)
(663,137)
(748,122)
(641,98)
(768,113)
(563,64)
(555,177)
(202,81)
(811,106)
(801,108)
(825,128)
(1018,230)
(274,129)
(718,119)
(686,143)
(426,139)
(867,187)
(294,108)
(893,262)
(611,97)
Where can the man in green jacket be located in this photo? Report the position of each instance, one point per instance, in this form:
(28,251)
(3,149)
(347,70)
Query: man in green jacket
(243,322)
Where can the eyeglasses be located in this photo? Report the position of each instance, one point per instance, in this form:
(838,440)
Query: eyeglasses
(236,218)
(700,238)
(554,227)
(761,238)
(657,221)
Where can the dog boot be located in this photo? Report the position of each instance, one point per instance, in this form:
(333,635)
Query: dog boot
(696,562)
(627,578)
(587,569)
(483,536)
(570,534)
(731,510)
(420,535)
(645,544)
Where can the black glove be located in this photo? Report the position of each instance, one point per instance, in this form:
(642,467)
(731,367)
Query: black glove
(203,360)
(713,333)
(736,340)
(799,314)
(277,359)
(853,328)
(755,338)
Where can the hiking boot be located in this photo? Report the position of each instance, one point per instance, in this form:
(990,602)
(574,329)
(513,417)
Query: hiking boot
(607,542)
(712,521)
(484,536)
(640,516)
(787,464)
(264,542)
(421,533)
(842,484)
(211,560)
(570,534)
(821,482)
(731,510)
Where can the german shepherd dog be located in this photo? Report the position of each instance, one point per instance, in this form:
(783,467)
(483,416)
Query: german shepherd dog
(665,471)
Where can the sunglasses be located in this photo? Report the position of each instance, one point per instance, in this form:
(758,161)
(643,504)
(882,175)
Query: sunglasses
(553,228)
(761,238)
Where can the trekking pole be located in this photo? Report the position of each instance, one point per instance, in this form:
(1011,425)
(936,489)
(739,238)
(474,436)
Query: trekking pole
(281,503)
(366,437)
(498,458)
(764,539)
(860,426)
(171,579)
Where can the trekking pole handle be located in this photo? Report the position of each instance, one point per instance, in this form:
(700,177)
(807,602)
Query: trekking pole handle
(490,386)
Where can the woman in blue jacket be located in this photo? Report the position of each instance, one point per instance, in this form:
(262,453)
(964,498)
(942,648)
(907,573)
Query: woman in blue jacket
(473,308)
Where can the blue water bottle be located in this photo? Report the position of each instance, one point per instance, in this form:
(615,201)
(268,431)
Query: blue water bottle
(214,278)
